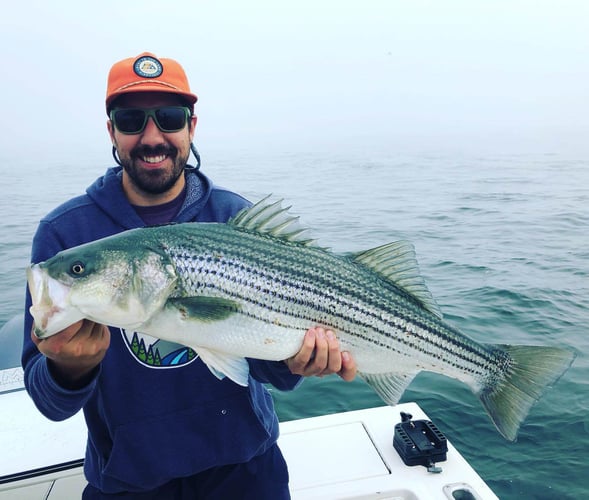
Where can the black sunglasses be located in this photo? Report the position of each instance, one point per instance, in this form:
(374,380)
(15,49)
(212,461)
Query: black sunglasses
(133,120)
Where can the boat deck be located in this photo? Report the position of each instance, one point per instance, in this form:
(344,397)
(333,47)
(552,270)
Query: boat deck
(350,455)
(347,455)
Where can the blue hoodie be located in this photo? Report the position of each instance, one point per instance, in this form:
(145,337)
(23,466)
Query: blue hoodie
(153,409)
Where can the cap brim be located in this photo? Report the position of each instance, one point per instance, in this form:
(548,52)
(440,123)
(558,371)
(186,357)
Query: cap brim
(143,87)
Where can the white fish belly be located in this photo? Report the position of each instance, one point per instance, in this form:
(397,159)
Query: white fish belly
(238,335)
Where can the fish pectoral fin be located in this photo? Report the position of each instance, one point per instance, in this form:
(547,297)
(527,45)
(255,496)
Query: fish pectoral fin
(225,365)
(389,386)
(204,308)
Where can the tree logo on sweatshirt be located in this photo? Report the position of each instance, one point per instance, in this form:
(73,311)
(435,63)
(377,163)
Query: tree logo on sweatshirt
(156,353)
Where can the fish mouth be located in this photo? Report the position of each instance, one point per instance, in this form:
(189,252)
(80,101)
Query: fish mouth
(48,297)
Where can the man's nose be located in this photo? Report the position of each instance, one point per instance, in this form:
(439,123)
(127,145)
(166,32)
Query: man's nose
(151,132)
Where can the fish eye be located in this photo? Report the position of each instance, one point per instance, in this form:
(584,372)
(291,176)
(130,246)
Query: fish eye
(77,268)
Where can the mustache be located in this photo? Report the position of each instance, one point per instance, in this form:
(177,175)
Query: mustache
(160,149)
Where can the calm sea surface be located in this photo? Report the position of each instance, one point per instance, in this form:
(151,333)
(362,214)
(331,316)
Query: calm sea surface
(503,243)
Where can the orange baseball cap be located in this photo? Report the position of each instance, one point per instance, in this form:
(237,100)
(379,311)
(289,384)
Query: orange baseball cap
(147,73)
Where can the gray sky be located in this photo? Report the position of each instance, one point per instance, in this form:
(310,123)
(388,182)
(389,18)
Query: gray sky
(497,76)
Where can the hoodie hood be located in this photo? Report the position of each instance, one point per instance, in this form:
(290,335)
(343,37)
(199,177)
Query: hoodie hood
(107,193)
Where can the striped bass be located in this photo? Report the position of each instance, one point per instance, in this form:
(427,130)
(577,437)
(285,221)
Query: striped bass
(252,287)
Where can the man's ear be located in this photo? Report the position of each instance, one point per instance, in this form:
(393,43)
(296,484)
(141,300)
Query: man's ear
(193,120)
(111,131)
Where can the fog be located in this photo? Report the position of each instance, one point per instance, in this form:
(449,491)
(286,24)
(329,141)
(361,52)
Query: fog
(502,76)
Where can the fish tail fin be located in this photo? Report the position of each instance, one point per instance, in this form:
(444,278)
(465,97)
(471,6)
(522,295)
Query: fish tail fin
(531,369)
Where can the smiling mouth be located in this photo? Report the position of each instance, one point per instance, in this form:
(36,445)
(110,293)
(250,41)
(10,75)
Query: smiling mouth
(154,159)
(153,155)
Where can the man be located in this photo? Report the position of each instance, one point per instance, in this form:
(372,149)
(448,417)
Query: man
(165,427)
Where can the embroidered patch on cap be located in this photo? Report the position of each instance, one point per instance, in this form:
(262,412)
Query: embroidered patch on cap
(148,67)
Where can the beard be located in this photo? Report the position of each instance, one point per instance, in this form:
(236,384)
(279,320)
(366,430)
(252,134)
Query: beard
(157,180)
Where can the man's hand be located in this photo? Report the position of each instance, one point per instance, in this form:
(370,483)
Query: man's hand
(74,352)
(320,355)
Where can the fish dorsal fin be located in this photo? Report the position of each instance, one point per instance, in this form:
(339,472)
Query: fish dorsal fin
(271,218)
(396,262)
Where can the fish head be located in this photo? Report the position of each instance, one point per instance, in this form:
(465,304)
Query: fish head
(112,281)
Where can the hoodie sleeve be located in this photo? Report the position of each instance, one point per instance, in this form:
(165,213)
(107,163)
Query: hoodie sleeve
(275,373)
(52,400)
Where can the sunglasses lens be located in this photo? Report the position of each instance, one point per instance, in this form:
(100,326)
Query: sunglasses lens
(167,118)
(171,119)
(129,121)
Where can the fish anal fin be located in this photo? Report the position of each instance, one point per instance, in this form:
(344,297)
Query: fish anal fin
(204,308)
(389,386)
(396,262)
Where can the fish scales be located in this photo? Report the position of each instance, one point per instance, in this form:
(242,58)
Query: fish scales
(251,288)
(275,294)
(231,265)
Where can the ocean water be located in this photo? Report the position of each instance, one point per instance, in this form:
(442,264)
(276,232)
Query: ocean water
(502,241)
